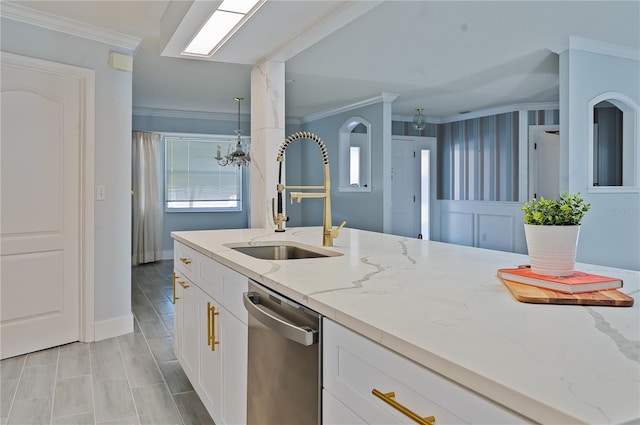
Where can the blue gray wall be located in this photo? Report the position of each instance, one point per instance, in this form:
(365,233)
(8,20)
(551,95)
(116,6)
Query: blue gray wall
(610,233)
(361,210)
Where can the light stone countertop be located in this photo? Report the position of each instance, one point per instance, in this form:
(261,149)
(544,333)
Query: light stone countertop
(443,306)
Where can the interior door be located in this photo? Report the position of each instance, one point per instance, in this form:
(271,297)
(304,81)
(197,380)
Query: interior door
(40,212)
(413,186)
(403,194)
(544,162)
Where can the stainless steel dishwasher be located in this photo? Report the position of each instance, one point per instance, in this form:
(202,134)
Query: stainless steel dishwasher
(283,376)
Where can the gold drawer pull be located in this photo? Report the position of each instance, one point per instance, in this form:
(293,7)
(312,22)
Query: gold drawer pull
(389,399)
(185,260)
(175,277)
(211,326)
(184,285)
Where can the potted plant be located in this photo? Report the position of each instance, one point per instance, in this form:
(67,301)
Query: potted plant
(551,229)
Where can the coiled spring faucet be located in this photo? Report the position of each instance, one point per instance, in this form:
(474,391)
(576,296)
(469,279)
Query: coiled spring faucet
(328,232)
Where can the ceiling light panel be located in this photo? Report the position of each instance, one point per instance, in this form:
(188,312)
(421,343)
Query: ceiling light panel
(224,21)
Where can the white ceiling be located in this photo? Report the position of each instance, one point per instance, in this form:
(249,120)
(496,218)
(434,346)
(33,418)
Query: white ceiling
(445,56)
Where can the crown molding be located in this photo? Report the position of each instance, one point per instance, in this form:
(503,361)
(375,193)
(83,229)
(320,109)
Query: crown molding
(384,97)
(219,116)
(198,115)
(49,21)
(484,112)
(595,46)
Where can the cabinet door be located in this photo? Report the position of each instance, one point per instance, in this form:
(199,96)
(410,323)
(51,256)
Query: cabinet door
(186,325)
(210,377)
(233,344)
(177,318)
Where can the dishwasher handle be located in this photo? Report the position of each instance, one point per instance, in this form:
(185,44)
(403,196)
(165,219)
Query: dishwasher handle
(302,335)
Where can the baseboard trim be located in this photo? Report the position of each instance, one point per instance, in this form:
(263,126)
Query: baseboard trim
(113,327)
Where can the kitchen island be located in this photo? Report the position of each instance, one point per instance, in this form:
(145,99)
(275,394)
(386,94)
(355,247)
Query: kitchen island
(442,306)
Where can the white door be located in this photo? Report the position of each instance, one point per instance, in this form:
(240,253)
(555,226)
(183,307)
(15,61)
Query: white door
(403,194)
(544,162)
(40,225)
(413,186)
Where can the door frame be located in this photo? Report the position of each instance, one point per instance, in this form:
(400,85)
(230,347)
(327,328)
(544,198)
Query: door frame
(425,143)
(86,237)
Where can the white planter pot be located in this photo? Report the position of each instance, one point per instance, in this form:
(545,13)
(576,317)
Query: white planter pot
(552,249)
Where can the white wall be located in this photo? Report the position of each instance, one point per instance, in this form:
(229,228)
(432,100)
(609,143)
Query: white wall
(610,233)
(113,111)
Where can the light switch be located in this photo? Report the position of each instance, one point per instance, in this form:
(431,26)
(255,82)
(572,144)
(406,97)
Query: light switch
(100,192)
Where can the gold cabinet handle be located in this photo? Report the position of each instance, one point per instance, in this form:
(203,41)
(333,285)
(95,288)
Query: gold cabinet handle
(389,399)
(211,326)
(184,285)
(175,277)
(185,260)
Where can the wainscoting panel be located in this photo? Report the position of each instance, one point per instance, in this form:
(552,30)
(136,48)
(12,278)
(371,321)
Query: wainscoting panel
(491,225)
(457,228)
(495,231)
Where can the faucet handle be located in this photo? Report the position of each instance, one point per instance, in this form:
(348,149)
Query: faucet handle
(335,232)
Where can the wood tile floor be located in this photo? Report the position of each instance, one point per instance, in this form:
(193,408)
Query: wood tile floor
(130,379)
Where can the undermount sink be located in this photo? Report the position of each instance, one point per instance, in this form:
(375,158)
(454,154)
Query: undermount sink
(281,250)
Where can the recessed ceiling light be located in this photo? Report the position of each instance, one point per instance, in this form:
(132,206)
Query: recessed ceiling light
(221,25)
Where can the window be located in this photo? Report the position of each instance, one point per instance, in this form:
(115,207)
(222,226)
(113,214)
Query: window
(194,181)
(354,166)
(354,156)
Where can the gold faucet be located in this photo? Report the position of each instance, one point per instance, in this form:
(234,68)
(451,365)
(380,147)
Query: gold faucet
(328,232)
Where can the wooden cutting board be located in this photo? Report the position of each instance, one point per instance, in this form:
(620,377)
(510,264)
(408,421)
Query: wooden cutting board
(533,294)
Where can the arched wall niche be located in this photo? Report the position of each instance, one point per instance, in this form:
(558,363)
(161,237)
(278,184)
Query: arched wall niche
(354,156)
(614,155)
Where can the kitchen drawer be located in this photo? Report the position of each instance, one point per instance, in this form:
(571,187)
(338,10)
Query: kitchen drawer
(184,259)
(223,284)
(353,366)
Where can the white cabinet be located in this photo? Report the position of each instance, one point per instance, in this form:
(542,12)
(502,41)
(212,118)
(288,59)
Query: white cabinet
(354,368)
(233,347)
(223,363)
(211,333)
(209,381)
(185,323)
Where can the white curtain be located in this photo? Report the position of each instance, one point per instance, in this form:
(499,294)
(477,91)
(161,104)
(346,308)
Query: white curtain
(147,197)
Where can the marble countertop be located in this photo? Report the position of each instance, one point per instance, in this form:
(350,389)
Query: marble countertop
(443,306)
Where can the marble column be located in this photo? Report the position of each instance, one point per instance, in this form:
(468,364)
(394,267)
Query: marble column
(267,133)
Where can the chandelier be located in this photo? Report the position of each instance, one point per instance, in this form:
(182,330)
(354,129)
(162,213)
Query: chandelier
(239,156)
(419,120)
